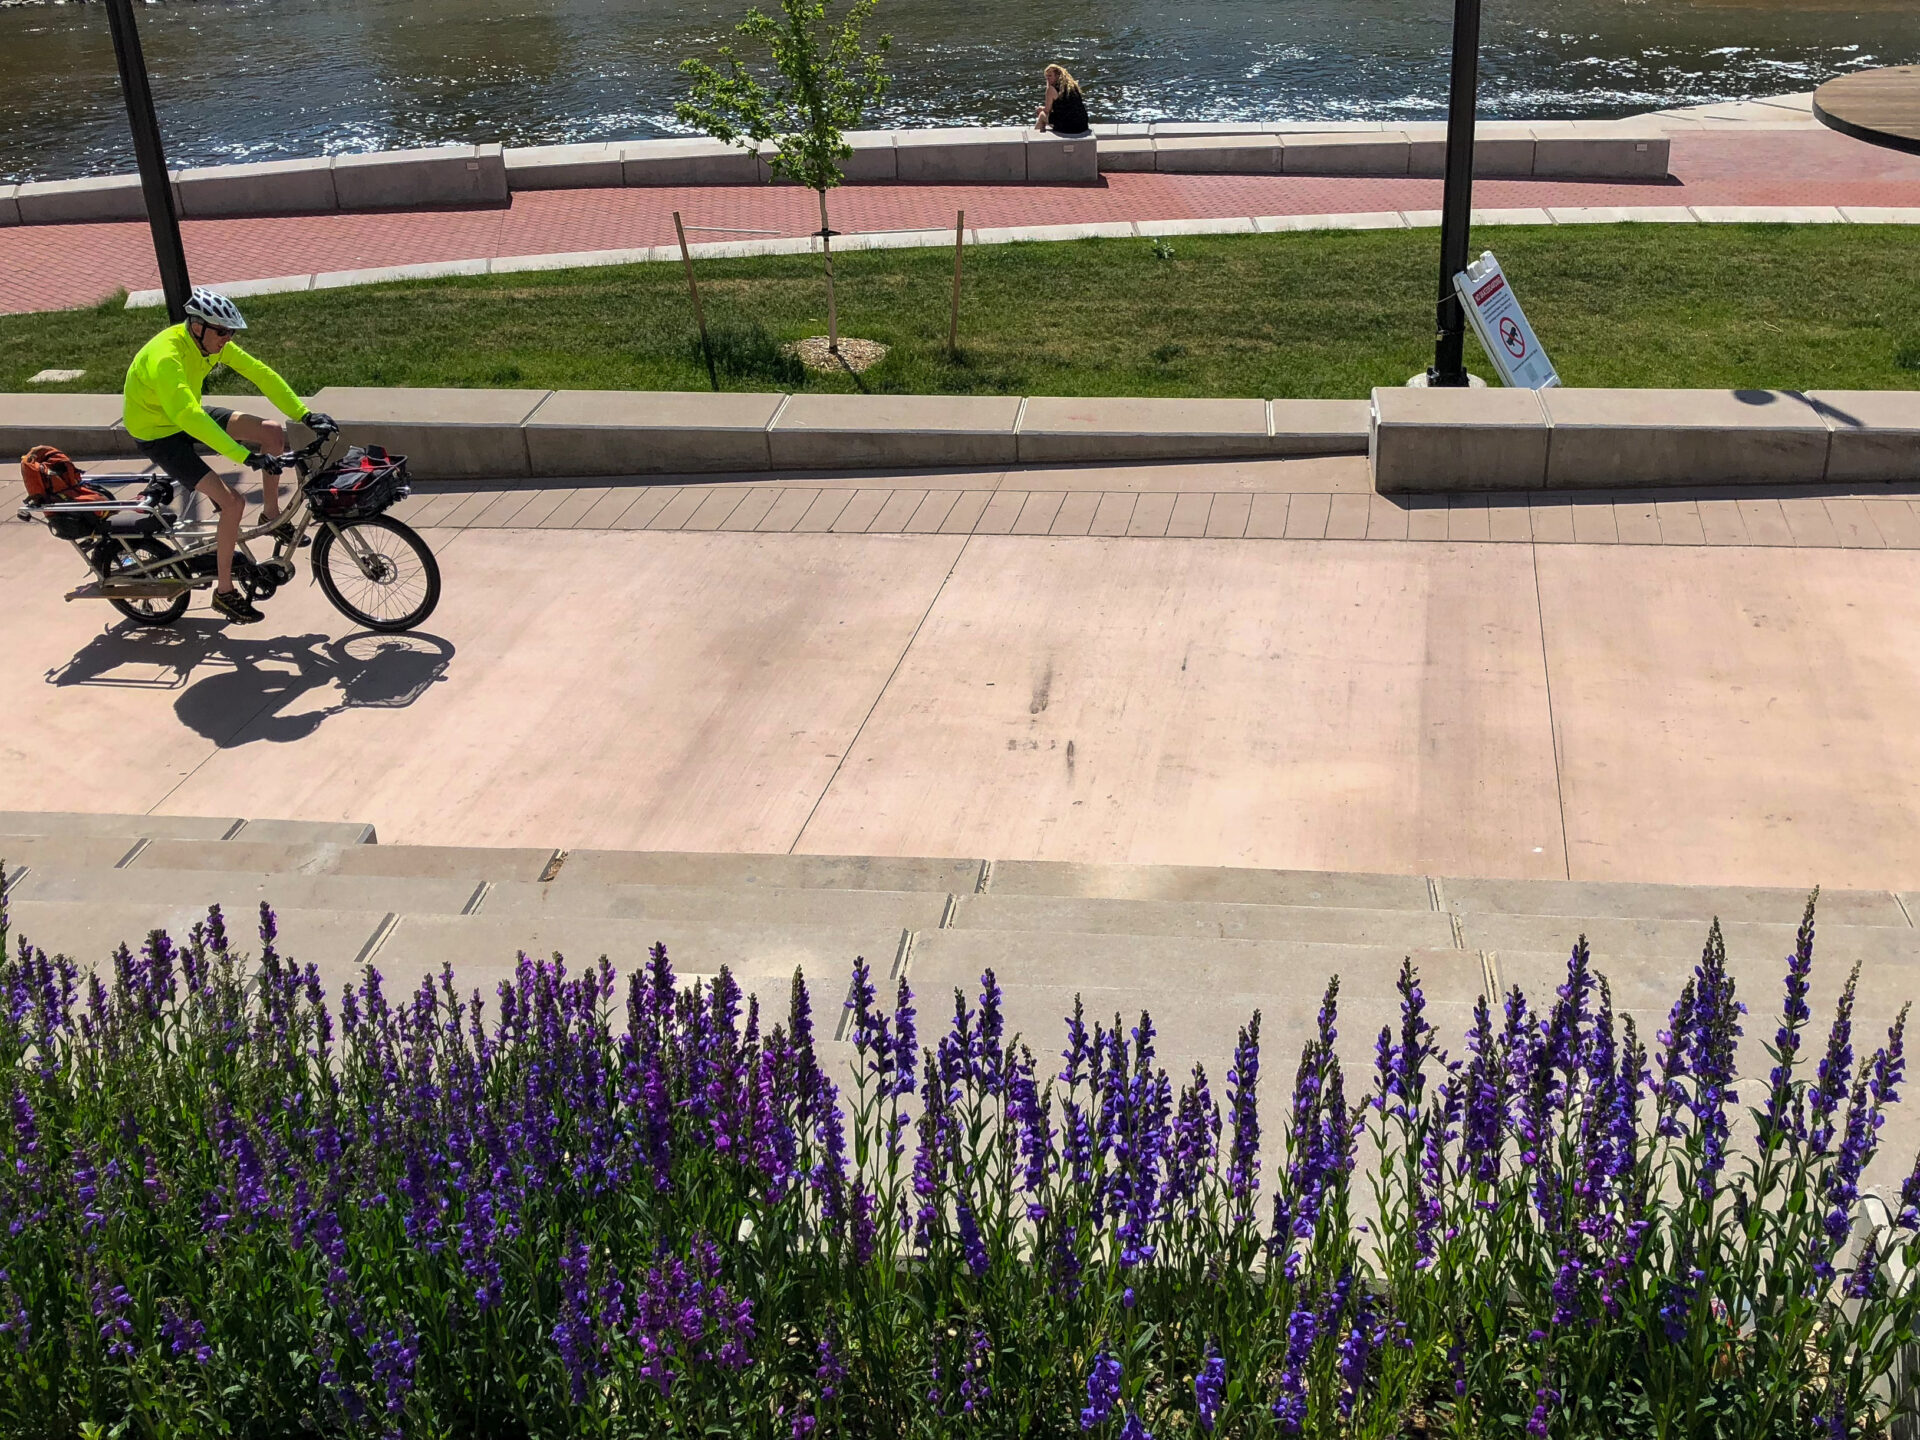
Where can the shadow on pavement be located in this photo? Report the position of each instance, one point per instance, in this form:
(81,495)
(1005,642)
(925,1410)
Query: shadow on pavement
(235,689)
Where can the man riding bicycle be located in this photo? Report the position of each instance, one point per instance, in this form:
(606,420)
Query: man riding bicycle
(171,424)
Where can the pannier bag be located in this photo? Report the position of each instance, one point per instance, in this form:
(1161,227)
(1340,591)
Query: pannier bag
(49,475)
(362,482)
(53,479)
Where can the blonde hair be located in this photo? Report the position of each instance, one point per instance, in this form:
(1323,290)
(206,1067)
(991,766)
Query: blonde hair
(1068,85)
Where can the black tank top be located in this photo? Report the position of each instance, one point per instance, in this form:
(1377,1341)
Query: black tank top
(1068,115)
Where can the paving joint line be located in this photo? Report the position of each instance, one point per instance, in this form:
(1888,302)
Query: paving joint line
(388,923)
(1553,727)
(879,695)
(1490,974)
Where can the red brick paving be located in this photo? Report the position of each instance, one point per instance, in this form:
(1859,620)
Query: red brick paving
(45,267)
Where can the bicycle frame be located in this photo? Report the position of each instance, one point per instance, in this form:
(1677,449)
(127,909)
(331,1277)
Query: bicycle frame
(194,540)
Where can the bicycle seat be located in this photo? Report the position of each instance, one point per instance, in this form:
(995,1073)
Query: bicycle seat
(128,524)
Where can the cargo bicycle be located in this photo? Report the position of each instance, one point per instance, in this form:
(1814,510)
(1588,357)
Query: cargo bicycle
(147,561)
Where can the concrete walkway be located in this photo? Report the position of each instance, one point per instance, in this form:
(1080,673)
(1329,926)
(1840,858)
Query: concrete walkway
(1728,705)
(53,266)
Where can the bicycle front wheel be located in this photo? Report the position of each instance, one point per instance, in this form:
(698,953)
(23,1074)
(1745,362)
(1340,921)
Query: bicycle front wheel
(377,572)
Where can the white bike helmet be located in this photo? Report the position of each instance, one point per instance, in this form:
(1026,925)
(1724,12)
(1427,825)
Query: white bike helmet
(213,308)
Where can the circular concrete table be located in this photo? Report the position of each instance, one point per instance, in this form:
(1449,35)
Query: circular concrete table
(1881,107)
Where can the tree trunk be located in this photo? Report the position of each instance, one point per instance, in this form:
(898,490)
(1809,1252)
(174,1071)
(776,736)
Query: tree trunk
(826,249)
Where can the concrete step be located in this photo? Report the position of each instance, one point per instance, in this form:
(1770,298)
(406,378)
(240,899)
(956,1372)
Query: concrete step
(745,904)
(1145,964)
(83,852)
(132,827)
(1647,985)
(472,864)
(239,893)
(1679,942)
(1198,991)
(293,832)
(787,872)
(1670,902)
(182,827)
(1078,880)
(88,931)
(484,948)
(1199,919)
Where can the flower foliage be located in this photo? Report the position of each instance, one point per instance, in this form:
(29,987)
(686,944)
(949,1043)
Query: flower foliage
(586,1209)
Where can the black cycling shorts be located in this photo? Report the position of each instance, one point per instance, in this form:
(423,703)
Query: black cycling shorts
(178,455)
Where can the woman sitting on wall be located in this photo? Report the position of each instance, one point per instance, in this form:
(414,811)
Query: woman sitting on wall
(1064,111)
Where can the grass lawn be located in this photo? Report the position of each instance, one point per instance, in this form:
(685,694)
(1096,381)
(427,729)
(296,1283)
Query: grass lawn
(1327,314)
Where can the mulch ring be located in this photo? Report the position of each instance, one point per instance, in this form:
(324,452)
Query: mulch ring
(854,356)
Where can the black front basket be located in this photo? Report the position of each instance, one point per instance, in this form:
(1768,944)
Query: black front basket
(364,481)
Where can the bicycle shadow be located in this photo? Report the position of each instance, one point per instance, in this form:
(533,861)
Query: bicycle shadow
(235,689)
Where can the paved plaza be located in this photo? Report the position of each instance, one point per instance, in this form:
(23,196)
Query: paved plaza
(1249,663)
(53,266)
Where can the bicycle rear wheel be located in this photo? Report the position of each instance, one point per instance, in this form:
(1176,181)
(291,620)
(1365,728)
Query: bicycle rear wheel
(114,557)
(377,572)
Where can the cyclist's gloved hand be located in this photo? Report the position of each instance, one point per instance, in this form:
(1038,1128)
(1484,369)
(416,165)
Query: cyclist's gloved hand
(320,424)
(260,460)
(159,492)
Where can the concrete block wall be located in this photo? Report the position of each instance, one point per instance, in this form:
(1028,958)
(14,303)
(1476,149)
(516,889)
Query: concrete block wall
(564,167)
(512,434)
(977,155)
(689,162)
(285,186)
(78,424)
(397,179)
(1417,439)
(471,434)
(445,175)
(104,197)
(1571,439)
(1575,149)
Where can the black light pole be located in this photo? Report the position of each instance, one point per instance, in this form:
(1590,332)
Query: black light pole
(167,250)
(1456,207)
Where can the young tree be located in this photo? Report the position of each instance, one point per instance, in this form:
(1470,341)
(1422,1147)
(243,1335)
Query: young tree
(819,79)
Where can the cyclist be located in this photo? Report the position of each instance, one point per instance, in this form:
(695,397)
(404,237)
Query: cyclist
(171,424)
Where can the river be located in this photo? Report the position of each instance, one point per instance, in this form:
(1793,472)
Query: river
(264,79)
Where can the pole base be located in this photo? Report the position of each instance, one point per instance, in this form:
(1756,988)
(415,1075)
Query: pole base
(1421,381)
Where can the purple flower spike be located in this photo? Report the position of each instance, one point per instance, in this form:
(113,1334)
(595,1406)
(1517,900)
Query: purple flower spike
(1834,1076)
(1243,1113)
(1785,1113)
(1103,1390)
(1543,1402)
(1209,1388)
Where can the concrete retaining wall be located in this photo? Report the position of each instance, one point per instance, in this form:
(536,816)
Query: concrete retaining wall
(285,186)
(1571,439)
(483,434)
(106,197)
(412,179)
(1425,440)
(78,424)
(1623,150)
(978,155)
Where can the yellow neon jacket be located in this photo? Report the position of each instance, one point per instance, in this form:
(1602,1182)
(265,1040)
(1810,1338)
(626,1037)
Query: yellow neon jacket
(164,385)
